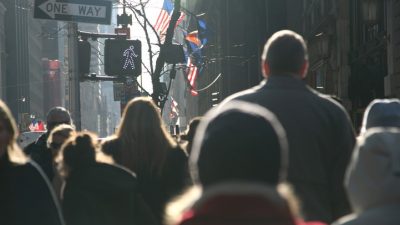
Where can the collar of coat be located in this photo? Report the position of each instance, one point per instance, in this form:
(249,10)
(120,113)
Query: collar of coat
(284,82)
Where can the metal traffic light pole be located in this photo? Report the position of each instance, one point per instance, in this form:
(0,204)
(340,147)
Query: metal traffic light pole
(73,75)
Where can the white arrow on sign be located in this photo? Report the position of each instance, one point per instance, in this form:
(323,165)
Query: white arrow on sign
(52,8)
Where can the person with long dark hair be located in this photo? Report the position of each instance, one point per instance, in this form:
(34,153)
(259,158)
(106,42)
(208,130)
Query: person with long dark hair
(26,196)
(143,145)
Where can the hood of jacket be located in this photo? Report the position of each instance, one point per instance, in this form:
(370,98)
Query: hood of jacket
(381,113)
(373,176)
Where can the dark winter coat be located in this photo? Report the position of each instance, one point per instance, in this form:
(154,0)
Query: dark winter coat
(104,194)
(321,140)
(39,152)
(157,190)
(26,196)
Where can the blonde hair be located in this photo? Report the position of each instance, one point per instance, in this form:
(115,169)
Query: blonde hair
(15,154)
(144,139)
(64,130)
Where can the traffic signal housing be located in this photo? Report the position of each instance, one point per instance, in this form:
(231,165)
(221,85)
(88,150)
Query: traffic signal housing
(173,54)
(84,54)
(123,57)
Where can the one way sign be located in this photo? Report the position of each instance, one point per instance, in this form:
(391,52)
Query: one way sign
(74,10)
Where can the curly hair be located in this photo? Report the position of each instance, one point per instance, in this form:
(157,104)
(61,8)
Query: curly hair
(77,152)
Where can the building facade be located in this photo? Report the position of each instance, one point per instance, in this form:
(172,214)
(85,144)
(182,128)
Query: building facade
(238,30)
(353,50)
(23,78)
(2,50)
(353,46)
(392,81)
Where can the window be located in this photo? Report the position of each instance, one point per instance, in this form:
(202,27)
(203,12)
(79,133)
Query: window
(319,79)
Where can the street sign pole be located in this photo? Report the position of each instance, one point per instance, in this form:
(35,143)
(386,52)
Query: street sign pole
(74,84)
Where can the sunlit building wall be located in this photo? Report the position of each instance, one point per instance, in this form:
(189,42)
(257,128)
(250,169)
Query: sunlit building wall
(23,77)
(110,109)
(91,91)
(35,67)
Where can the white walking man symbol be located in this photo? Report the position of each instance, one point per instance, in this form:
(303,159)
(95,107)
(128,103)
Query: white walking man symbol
(129,55)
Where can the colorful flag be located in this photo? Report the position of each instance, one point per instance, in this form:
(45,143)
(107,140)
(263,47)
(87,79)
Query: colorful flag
(192,37)
(192,72)
(203,31)
(195,41)
(36,125)
(164,18)
(194,59)
(174,109)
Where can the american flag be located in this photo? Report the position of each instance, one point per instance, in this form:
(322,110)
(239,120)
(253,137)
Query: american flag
(174,109)
(36,125)
(164,18)
(192,72)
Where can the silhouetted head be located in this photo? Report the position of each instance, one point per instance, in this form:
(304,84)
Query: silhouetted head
(8,131)
(78,152)
(239,142)
(58,136)
(285,53)
(190,132)
(56,116)
(8,136)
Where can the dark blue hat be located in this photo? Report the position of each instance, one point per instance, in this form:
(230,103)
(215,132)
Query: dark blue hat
(239,142)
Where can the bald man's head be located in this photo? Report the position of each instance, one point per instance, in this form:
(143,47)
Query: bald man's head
(56,116)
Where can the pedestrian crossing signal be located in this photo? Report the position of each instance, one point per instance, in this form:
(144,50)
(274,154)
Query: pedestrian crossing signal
(123,57)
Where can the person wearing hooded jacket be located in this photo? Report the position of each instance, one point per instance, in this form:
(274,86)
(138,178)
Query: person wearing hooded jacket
(239,162)
(373,177)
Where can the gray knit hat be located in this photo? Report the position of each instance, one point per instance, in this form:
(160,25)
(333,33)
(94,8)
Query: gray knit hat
(382,113)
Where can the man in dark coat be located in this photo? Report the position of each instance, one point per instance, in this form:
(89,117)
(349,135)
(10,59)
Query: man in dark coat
(38,150)
(319,131)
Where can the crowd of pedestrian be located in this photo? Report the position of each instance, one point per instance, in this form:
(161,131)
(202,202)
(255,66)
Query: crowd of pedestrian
(278,153)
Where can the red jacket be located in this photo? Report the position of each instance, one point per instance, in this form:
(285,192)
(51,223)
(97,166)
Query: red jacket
(240,204)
